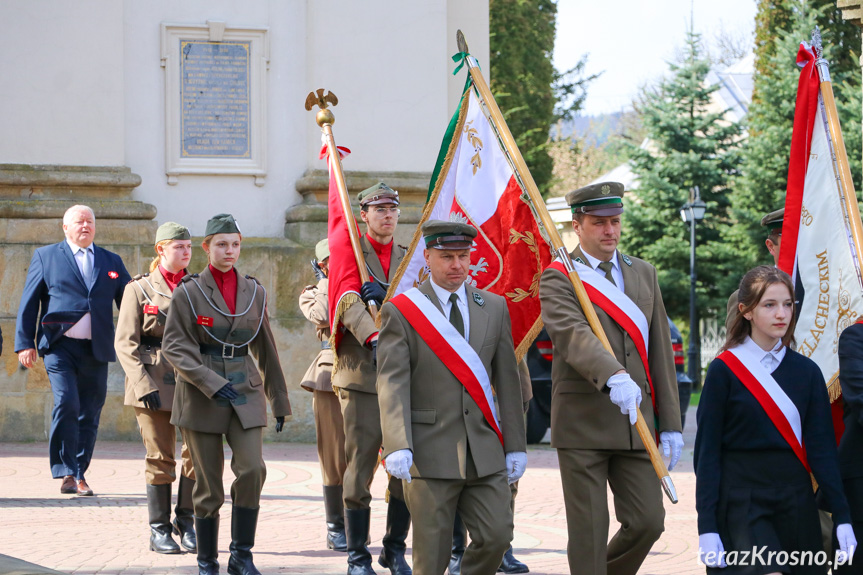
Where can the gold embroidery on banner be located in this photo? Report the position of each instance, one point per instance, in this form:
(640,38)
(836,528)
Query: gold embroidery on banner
(846,316)
(809,344)
(806,217)
(532,291)
(422,276)
(474,140)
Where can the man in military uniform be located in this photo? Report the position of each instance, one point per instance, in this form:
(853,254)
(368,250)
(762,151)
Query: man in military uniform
(445,350)
(329,425)
(354,380)
(773,222)
(217,324)
(591,387)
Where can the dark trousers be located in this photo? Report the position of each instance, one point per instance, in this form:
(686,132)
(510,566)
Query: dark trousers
(79,383)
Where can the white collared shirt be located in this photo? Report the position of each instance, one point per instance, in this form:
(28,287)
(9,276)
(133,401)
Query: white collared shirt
(443,297)
(81,329)
(769,359)
(616,273)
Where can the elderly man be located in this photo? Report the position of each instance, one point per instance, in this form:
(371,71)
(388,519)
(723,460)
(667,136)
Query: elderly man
(445,351)
(66,316)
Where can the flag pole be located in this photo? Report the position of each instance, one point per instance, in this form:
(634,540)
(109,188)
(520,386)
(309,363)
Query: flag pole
(527,183)
(840,156)
(325,119)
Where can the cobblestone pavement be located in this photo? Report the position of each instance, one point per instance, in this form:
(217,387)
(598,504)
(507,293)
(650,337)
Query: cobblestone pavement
(108,534)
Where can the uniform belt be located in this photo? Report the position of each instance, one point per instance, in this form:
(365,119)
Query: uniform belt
(151,341)
(325,345)
(224,351)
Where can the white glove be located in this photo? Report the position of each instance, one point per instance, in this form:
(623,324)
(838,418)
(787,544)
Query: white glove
(711,551)
(847,542)
(672,446)
(399,464)
(625,394)
(516,463)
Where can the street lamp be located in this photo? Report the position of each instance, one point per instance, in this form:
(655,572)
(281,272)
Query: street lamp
(691,213)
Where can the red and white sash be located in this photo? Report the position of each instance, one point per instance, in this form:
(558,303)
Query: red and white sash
(775,402)
(452,349)
(613,301)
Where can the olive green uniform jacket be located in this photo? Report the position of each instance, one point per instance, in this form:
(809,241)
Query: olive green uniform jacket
(314,305)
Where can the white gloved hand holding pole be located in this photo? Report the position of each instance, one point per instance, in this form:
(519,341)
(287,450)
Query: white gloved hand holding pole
(625,394)
(398,464)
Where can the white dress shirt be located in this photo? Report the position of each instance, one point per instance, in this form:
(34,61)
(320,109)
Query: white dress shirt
(769,359)
(616,273)
(81,330)
(443,297)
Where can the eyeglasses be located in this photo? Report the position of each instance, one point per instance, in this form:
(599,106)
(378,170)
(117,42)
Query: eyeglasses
(385,211)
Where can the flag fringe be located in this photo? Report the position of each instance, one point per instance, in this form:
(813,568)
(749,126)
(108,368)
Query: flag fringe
(347,301)
(431,201)
(528,339)
(834,390)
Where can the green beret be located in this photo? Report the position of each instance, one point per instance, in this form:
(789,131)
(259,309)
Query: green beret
(172,231)
(222,224)
(443,235)
(602,199)
(380,193)
(322,250)
(773,220)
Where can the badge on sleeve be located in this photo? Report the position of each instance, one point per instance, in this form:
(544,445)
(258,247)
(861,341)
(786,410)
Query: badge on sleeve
(205,321)
(151,309)
(113,275)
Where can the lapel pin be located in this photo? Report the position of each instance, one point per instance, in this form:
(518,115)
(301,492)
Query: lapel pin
(113,275)
(579,260)
(626,259)
(478,299)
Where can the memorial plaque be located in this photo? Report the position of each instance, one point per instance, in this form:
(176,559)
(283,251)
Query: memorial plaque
(215,99)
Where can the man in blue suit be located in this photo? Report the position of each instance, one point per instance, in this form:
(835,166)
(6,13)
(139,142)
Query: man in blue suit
(66,310)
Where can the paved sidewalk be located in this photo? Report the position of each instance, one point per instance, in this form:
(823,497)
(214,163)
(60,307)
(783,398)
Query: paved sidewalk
(108,534)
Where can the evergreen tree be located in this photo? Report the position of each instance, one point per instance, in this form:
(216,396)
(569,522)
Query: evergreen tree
(531,94)
(762,185)
(689,146)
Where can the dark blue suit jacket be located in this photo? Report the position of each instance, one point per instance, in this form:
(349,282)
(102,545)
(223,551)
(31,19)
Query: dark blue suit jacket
(55,292)
(851,380)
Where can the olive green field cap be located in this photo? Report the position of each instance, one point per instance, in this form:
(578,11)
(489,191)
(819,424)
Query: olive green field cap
(602,199)
(172,231)
(443,235)
(222,224)
(773,220)
(322,250)
(380,193)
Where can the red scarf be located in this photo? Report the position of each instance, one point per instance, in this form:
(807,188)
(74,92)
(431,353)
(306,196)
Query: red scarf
(384,252)
(173,280)
(227,282)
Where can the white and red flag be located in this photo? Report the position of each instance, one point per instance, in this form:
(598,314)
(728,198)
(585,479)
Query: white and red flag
(344,275)
(474,183)
(817,247)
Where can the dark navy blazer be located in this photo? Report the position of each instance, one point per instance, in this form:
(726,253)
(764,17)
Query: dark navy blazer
(55,292)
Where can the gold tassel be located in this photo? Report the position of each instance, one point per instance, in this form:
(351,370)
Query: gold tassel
(525,344)
(834,389)
(347,301)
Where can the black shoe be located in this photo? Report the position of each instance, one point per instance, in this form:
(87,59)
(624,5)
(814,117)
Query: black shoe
(159,510)
(398,522)
(207,530)
(357,532)
(334,509)
(510,564)
(459,540)
(244,523)
(184,516)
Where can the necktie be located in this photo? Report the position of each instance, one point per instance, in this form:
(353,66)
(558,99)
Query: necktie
(455,317)
(86,266)
(607,267)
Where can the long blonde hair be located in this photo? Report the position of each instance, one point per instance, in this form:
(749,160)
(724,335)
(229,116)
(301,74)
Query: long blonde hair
(157,260)
(752,288)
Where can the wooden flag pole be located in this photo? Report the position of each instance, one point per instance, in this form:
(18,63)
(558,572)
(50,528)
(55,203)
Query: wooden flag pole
(325,120)
(529,186)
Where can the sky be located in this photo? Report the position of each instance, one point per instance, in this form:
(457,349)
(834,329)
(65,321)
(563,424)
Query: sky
(632,41)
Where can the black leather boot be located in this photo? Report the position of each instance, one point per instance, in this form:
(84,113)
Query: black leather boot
(398,522)
(244,523)
(184,516)
(357,532)
(459,541)
(334,509)
(207,530)
(510,564)
(159,510)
